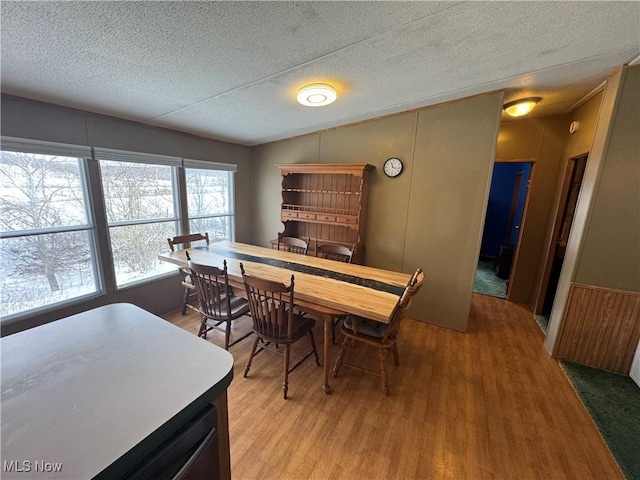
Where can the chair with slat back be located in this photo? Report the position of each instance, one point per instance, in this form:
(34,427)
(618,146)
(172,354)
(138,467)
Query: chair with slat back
(218,304)
(379,335)
(338,253)
(275,322)
(333,251)
(293,244)
(185,241)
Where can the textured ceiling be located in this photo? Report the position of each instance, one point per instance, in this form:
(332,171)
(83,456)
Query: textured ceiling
(230,70)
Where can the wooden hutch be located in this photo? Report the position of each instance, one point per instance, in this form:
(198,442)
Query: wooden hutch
(326,203)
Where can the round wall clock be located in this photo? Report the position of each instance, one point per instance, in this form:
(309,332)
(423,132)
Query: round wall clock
(392,167)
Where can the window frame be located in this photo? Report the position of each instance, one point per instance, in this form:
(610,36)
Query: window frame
(230,169)
(97,225)
(82,155)
(111,155)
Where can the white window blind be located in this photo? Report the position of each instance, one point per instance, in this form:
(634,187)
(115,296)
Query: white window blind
(205,165)
(136,157)
(24,145)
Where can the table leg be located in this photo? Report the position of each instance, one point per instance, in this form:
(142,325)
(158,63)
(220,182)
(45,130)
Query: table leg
(328,328)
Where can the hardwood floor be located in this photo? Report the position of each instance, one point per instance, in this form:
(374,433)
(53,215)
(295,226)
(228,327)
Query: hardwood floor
(489,403)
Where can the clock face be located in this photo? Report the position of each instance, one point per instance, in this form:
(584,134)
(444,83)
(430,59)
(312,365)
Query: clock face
(392,167)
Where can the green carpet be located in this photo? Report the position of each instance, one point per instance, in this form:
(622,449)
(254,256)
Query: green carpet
(487,282)
(543,322)
(613,401)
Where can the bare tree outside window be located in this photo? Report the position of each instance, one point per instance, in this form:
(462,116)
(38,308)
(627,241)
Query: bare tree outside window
(47,243)
(209,198)
(140,207)
(46,247)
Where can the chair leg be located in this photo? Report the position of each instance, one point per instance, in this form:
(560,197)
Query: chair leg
(253,352)
(340,358)
(313,345)
(285,384)
(334,323)
(382,355)
(333,331)
(394,352)
(203,327)
(227,334)
(185,300)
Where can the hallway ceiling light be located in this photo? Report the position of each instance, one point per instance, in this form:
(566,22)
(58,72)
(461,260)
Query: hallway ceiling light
(521,107)
(317,95)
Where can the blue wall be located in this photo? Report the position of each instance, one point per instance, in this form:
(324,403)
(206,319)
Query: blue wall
(500,196)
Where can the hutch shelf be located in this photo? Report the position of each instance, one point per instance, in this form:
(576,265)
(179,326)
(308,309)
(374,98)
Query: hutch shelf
(326,203)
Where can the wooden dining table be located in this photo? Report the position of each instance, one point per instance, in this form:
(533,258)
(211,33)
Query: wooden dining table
(323,288)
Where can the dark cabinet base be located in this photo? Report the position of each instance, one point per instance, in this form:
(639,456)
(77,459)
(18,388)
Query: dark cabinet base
(191,454)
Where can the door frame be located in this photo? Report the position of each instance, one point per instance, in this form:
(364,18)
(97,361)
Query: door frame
(513,271)
(557,227)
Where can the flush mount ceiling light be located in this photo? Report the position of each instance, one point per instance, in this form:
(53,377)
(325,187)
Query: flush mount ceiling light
(317,95)
(521,107)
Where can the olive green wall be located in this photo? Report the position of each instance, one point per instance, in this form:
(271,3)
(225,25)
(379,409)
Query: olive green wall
(540,140)
(430,216)
(610,255)
(374,142)
(576,144)
(454,152)
(266,184)
(548,143)
(520,140)
(587,117)
(603,247)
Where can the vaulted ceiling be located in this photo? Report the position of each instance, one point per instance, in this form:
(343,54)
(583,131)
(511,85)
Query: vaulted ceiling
(231,70)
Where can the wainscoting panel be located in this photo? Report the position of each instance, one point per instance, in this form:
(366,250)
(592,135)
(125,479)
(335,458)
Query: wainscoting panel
(600,328)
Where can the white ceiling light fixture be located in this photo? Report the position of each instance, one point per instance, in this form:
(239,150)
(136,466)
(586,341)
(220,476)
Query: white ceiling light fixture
(521,107)
(317,95)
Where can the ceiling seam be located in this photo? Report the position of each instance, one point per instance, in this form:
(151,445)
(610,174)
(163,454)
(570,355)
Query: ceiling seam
(305,63)
(397,108)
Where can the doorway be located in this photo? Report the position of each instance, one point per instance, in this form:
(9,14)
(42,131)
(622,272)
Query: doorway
(562,228)
(501,234)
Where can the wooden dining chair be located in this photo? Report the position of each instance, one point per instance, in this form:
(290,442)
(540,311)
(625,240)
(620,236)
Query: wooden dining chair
(218,304)
(333,251)
(381,336)
(185,241)
(275,323)
(293,244)
(338,253)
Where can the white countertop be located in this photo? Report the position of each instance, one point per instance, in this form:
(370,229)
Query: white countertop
(84,390)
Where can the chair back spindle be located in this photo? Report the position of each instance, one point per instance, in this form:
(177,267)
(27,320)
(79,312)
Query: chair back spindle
(271,305)
(212,285)
(275,323)
(412,288)
(185,241)
(336,252)
(381,336)
(217,303)
(293,244)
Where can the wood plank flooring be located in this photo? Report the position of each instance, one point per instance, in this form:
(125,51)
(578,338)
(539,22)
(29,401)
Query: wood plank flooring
(488,403)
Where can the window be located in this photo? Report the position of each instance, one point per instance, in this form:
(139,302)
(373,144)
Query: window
(47,237)
(210,198)
(141,207)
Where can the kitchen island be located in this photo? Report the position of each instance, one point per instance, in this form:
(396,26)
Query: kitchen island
(114,392)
